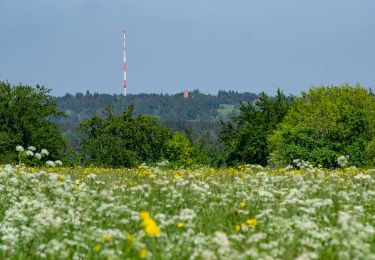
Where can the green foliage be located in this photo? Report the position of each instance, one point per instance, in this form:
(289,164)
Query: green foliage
(207,150)
(245,137)
(370,152)
(124,140)
(24,113)
(198,106)
(179,149)
(327,122)
(200,111)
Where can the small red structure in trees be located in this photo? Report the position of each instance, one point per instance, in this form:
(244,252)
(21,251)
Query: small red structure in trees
(186,94)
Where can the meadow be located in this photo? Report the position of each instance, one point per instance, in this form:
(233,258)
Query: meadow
(247,212)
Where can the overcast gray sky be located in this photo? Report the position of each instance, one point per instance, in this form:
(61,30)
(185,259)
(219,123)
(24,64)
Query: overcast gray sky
(244,45)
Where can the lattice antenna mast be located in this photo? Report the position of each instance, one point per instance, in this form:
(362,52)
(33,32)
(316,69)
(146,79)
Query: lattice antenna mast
(125,47)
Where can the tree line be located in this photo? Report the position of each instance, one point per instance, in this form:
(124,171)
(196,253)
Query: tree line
(320,125)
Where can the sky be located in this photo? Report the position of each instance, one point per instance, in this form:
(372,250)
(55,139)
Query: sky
(73,46)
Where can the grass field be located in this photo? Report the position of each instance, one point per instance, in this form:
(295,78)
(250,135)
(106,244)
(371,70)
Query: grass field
(242,213)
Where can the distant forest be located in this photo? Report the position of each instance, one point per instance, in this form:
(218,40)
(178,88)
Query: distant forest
(199,113)
(327,126)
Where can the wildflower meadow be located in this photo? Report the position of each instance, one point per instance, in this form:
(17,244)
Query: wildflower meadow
(247,212)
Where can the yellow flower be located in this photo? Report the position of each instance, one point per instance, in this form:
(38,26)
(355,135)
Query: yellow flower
(251,222)
(97,248)
(129,238)
(143,253)
(106,238)
(237,228)
(144,214)
(242,203)
(61,178)
(180,224)
(149,225)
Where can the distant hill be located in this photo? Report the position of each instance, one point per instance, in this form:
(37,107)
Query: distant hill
(173,110)
(198,106)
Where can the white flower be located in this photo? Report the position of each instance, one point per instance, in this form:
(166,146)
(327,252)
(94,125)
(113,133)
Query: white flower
(208,255)
(58,163)
(342,161)
(50,164)
(44,152)
(289,167)
(255,238)
(29,153)
(38,156)
(31,148)
(8,168)
(361,176)
(19,148)
(221,239)
(187,214)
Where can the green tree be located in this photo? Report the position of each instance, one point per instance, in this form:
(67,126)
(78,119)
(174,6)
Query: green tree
(24,120)
(324,123)
(124,140)
(179,149)
(245,137)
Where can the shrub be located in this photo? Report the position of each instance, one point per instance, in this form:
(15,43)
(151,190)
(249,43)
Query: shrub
(327,122)
(245,136)
(24,113)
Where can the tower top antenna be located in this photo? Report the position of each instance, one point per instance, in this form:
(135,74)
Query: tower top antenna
(124,58)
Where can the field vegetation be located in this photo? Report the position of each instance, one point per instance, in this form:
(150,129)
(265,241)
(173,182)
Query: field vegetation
(247,212)
(288,178)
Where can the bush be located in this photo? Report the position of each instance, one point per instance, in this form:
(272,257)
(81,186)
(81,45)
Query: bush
(24,113)
(179,149)
(124,140)
(324,123)
(245,136)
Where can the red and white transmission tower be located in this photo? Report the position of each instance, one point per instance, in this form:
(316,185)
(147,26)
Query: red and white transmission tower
(125,46)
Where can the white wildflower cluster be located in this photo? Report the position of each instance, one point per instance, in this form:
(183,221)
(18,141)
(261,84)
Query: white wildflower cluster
(301,164)
(19,148)
(163,163)
(343,160)
(31,153)
(50,163)
(249,213)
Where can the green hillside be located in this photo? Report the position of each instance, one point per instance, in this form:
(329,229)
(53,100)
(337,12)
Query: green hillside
(200,112)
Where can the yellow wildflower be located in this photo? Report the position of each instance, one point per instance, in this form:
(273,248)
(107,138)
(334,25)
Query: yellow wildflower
(129,238)
(251,222)
(143,253)
(106,238)
(180,224)
(97,248)
(149,225)
(237,228)
(242,204)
